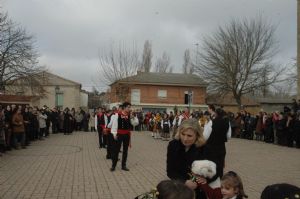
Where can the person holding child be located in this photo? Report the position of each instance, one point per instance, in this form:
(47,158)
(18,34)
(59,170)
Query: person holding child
(186,147)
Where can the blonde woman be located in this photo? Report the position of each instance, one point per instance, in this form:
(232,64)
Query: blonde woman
(187,146)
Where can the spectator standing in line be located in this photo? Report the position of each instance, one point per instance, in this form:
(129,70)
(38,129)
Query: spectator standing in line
(54,120)
(259,127)
(295,106)
(78,118)
(2,131)
(68,121)
(281,129)
(269,133)
(26,117)
(42,123)
(8,126)
(61,121)
(18,128)
(290,129)
(297,130)
(48,120)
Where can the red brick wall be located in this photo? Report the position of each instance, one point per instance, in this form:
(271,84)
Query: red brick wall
(175,94)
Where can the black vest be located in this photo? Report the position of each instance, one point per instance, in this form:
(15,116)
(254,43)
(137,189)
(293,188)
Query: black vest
(123,122)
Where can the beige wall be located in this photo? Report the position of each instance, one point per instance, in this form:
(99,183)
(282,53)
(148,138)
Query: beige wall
(71,96)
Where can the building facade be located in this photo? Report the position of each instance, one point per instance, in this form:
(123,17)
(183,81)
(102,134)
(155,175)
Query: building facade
(57,92)
(160,91)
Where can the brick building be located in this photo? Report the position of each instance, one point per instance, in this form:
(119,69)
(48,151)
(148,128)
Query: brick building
(160,91)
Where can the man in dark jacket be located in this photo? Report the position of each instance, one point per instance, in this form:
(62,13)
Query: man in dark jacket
(54,120)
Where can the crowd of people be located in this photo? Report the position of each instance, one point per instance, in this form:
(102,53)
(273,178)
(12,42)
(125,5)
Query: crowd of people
(21,125)
(192,137)
(279,127)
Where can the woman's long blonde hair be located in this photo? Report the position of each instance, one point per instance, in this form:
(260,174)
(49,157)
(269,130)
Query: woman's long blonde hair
(194,125)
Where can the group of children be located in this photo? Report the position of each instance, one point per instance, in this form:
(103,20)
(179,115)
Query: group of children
(163,126)
(160,126)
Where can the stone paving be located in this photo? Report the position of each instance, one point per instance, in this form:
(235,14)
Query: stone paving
(72,166)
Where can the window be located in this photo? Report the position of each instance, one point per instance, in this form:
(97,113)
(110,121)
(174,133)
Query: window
(188,97)
(162,94)
(60,99)
(135,96)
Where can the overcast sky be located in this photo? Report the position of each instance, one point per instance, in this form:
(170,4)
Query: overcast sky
(70,33)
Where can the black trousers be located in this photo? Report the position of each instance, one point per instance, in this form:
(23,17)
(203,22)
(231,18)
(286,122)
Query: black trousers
(122,139)
(110,143)
(54,127)
(100,136)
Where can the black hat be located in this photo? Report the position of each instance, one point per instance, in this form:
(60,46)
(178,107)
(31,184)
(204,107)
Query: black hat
(281,191)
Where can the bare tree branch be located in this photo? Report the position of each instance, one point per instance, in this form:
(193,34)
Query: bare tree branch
(237,58)
(187,67)
(118,63)
(147,56)
(162,64)
(18,57)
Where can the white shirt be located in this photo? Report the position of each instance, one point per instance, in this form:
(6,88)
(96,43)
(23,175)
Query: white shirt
(113,124)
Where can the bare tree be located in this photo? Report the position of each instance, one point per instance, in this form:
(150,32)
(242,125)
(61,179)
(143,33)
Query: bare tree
(118,63)
(236,57)
(162,64)
(292,73)
(18,57)
(147,56)
(287,87)
(187,67)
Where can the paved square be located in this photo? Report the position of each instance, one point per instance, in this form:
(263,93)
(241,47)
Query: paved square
(72,166)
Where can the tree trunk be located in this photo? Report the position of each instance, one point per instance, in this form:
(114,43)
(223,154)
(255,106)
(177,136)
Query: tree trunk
(238,101)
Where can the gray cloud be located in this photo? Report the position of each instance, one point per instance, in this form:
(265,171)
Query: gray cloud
(70,33)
